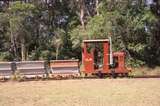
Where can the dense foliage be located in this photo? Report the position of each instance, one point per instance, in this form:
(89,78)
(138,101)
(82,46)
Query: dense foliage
(54,29)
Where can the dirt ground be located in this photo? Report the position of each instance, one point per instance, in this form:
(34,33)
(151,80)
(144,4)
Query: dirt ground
(84,92)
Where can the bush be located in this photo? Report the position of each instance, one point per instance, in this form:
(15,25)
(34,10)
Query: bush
(6,56)
(135,62)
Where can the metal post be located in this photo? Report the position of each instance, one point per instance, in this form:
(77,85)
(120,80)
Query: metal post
(111,54)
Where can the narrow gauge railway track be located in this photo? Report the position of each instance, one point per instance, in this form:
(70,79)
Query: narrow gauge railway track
(80,78)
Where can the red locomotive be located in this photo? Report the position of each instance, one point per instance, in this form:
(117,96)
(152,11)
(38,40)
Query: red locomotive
(102,61)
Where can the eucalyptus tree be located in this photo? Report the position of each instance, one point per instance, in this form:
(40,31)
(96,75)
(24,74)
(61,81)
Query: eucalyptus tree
(19,15)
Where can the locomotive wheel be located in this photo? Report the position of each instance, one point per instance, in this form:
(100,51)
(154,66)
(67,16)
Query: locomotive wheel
(71,76)
(113,74)
(86,75)
(3,79)
(100,75)
(59,77)
(36,78)
(44,77)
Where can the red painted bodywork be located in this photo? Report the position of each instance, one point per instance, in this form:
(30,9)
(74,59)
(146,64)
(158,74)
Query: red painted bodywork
(121,62)
(88,58)
(106,57)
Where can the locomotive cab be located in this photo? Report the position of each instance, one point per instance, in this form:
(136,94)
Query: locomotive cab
(95,56)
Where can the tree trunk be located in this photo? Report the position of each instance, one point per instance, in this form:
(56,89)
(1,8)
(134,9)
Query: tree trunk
(27,54)
(82,8)
(23,51)
(97,6)
(13,41)
(57,52)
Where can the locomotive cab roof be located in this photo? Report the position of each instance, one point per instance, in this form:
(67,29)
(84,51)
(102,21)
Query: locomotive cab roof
(96,41)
